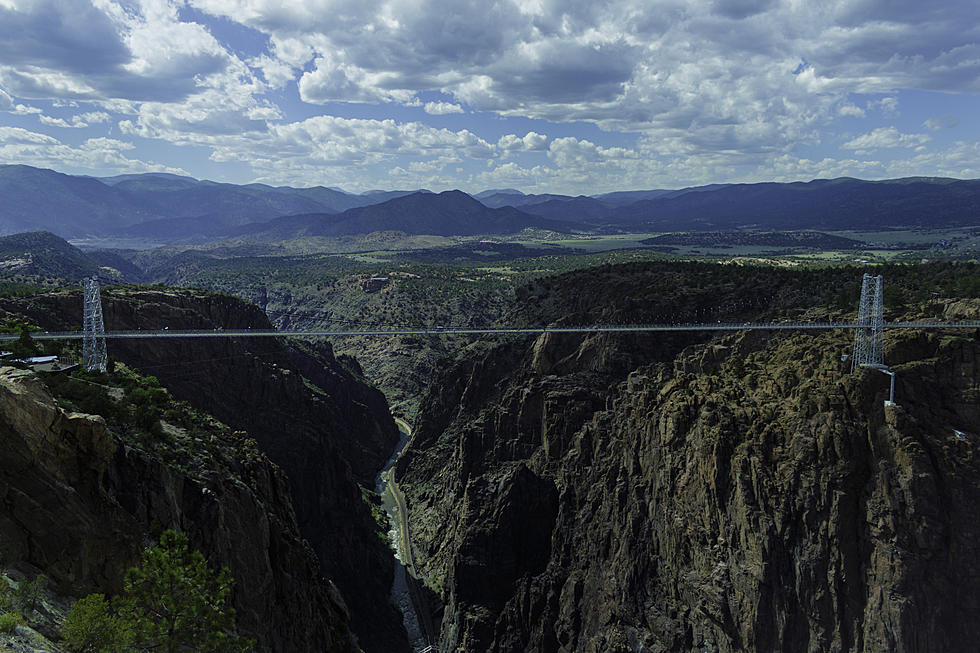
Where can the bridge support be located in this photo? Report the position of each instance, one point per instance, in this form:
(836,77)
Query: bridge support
(94,356)
(868,349)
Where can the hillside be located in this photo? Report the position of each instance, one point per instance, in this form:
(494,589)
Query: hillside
(451,213)
(42,254)
(317,421)
(821,204)
(739,492)
(159,208)
(154,206)
(37,199)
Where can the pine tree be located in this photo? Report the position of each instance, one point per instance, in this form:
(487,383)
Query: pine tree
(173,601)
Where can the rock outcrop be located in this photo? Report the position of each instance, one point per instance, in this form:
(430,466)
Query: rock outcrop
(317,421)
(80,505)
(745,492)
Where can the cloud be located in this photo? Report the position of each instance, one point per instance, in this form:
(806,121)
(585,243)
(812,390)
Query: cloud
(888,106)
(946,122)
(59,122)
(530,142)
(695,90)
(72,36)
(93,156)
(885,137)
(623,64)
(18,136)
(106,49)
(325,149)
(76,122)
(25,110)
(848,109)
(442,108)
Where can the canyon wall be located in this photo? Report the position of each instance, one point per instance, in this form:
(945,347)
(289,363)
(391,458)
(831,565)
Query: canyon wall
(727,492)
(315,419)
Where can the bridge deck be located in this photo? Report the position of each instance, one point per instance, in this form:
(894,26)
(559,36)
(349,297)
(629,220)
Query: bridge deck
(532,330)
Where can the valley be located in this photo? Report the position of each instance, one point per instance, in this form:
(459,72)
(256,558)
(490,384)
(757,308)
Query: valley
(724,490)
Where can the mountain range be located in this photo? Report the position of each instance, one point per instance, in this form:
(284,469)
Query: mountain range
(167,208)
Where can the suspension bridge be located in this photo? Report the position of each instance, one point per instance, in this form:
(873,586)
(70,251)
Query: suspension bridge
(868,329)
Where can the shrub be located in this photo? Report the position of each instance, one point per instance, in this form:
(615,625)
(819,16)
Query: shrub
(91,626)
(172,602)
(30,592)
(9,622)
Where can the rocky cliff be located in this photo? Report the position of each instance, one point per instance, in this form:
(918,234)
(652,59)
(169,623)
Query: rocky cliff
(323,427)
(79,503)
(740,492)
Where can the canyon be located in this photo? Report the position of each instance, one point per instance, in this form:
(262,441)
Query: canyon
(596,492)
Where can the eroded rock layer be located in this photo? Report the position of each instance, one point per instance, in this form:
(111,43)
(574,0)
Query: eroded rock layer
(314,418)
(740,492)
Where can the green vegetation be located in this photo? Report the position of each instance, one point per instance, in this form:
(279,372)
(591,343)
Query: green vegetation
(9,622)
(171,602)
(19,289)
(140,413)
(29,594)
(92,627)
(373,501)
(16,603)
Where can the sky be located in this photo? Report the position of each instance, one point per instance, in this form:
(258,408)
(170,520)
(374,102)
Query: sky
(562,96)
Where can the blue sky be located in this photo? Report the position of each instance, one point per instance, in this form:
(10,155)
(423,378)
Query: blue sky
(562,96)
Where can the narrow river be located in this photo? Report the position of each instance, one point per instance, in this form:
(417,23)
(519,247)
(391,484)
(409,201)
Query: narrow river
(392,504)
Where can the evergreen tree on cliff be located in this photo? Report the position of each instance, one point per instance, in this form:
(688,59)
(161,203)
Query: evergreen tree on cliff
(172,602)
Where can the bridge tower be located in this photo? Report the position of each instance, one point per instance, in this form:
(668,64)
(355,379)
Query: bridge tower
(93,337)
(868,348)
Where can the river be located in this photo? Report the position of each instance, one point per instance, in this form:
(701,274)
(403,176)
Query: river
(394,508)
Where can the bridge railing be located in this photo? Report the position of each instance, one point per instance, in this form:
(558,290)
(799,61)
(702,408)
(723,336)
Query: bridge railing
(514,330)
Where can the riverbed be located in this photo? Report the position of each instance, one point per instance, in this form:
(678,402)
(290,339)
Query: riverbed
(400,594)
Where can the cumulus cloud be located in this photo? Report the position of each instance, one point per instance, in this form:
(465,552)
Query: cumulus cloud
(106,49)
(19,136)
(79,121)
(884,137)
(946,122)
(706,90)
(93,156)
(848,109)
(26,110)
(623,63)
(326,148)
(530,142)
(59,122)
(441,108)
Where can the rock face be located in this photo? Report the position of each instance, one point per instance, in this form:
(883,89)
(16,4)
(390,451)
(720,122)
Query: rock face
(323,427)
(746,493)
(79,506)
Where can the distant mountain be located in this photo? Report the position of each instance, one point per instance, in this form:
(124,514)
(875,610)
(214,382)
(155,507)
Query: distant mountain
(158,206)
(451,213)
(35,199)
(843,203)
(41,253)
(520,200)
(174,209)
(496,191)
(571,209)
(152,179)
(622,198)
(378,196)
(220,206)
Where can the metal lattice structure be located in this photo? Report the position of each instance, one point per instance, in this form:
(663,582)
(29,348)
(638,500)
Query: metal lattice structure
(93,340)
(868,347)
